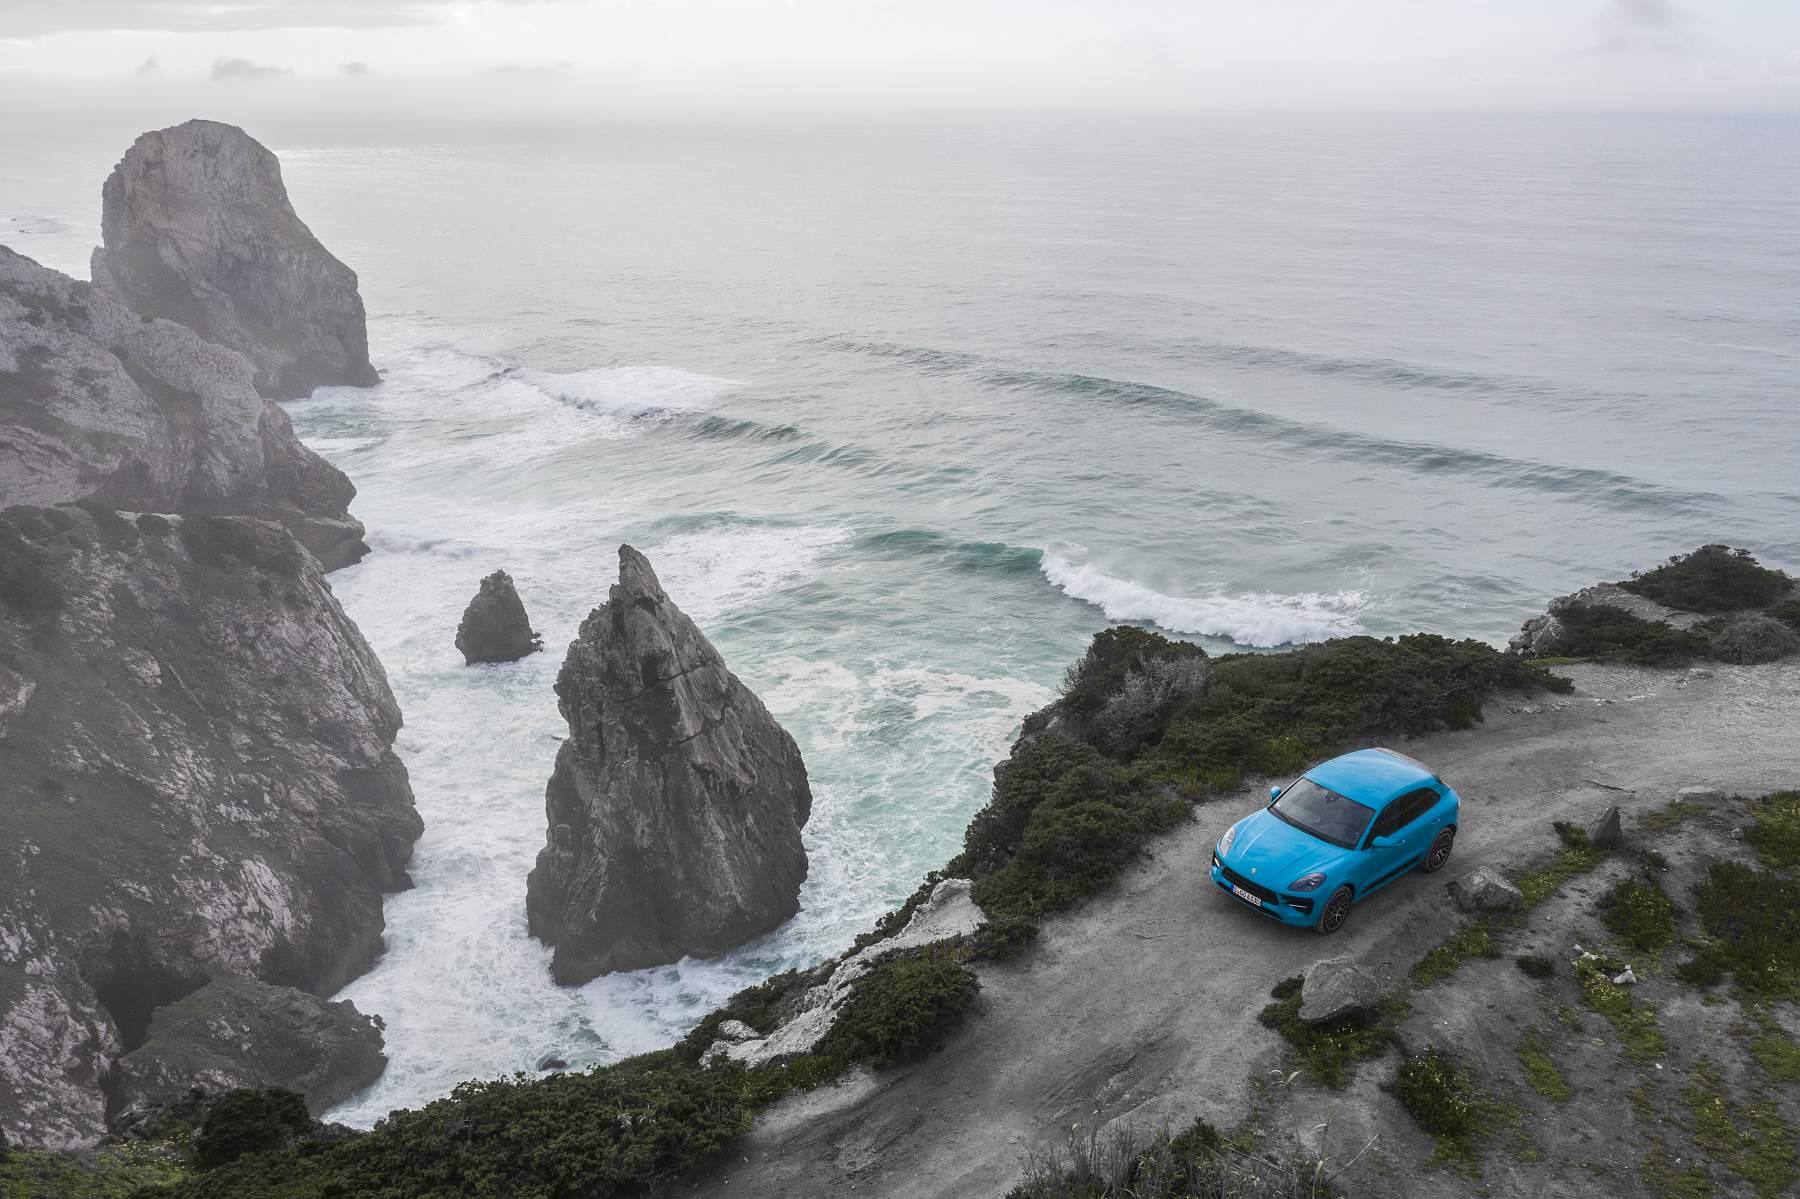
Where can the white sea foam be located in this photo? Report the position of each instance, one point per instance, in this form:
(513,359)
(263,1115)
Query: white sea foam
(1258,619)
(714,571)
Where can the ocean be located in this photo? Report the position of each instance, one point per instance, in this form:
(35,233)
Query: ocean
(904,409)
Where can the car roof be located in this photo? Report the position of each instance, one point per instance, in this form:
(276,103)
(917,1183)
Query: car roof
(1372,776)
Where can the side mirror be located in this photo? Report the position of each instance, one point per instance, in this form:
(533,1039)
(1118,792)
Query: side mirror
(1382,843)
(1274,793)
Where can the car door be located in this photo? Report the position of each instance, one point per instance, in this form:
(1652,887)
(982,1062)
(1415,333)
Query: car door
(1400,824)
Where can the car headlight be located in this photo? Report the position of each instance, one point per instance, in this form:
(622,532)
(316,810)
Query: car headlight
(1226,840)
(1308,882)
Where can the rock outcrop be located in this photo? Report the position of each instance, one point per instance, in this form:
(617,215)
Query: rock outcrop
(236,1032)
(197,228)
(199,783)
(1487,890)
(494,626)
(1543,636)
(98,403)
(676,804)
(1336,989)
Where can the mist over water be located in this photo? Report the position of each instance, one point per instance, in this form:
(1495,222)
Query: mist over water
(903,410)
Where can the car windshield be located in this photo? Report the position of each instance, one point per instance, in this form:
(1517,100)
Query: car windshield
(1323,813)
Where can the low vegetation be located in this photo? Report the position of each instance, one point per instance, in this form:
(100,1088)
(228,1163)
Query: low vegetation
(1640,915)
(903,1008)
(1754,1141)
(1752,920)
(1540,1069)
(1714,578)
(1632,1019)
(1577,856)
(1600,631)
(111,1172)
(1535,964)
(1443,1098)
(1475,939)
(1195,1164)
(1326,1054)
(1775,833)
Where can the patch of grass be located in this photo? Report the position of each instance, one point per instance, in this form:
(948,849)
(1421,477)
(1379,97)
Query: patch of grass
(1670,815)
(1714,578)
(1753,918)
(1756,1142)
(1633,1020)
(1540,1069)
(1611,634)
(1474,939)
(1640,915)
(1441,1095)
(1775,835)
(1577,857)
(1536,965)
(1666,1180)
(111,1172)
(1326,1054)
(1772,1048)
(903,1008)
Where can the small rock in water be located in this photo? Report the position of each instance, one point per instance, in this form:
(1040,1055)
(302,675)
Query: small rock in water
(494,626)
(551,1062)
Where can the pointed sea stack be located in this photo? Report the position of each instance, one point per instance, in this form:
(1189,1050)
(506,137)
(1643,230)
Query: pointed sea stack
(198,229)
(494,626)
(676,804)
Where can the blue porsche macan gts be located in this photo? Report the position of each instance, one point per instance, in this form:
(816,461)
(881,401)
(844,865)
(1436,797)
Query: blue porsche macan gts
(1340,832)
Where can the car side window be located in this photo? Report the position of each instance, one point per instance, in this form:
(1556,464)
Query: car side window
(1417,804)
(1403,811)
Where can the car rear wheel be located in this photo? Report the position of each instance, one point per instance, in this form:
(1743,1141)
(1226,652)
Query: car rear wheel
(1337,910)
(1440,851)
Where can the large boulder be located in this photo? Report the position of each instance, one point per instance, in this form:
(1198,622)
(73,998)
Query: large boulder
(1337,989)
(494,626)
(677,801)
(236,1032)
(196,745)
(98,403)
(197,228)
(1485,889)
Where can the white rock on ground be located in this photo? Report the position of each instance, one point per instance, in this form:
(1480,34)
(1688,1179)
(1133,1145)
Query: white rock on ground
(1486,890)
(1336,988)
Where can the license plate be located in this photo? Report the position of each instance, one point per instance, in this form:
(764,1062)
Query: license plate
(1246,896)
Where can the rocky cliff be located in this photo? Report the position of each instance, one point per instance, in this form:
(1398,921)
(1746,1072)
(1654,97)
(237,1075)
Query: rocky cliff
(198,781)
(197,228)
(676,804)
(98,402)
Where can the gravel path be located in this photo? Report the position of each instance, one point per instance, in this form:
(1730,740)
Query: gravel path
(1143,1003)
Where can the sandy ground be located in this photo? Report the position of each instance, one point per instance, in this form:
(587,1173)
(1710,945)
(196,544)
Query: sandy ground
(1142,1004)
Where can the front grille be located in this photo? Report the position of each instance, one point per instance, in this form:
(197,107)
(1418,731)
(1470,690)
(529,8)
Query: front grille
(1256,889)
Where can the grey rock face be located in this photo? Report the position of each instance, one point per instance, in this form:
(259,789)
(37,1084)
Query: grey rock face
(99,403)
(494,626)
(198,229)
(236,1032)
(1486,890)
(676,804)
(1336,989)
(199,782)
(1604,831)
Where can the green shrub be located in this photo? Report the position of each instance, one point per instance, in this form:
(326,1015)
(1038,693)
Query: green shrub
(1536,965)
(1598,631)
(758,1006)
(1139,1164)
(903,1008)
(1753,917)
(1752,638)
(1003,938)
(249,1121)
(996,831)
(1082,830)
(1440,1094)
(1112,657)
(1775,835)
(118,1171)
(1714,578)
(1640,915)
(1274,713)
(1788,613)
(1327,1054)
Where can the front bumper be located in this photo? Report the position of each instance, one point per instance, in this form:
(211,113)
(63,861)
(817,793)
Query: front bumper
(1298,910)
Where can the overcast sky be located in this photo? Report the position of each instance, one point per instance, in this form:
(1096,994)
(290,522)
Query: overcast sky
(476,56)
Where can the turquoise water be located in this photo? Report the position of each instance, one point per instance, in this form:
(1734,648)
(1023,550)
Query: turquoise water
(904,410)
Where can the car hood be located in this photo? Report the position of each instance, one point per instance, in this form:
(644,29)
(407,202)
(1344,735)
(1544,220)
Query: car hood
(1275,853)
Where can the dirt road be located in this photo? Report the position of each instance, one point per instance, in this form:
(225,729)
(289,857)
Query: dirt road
(1145,1000)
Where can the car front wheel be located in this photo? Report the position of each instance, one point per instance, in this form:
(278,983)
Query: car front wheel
(1337,910)
(1440,850)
